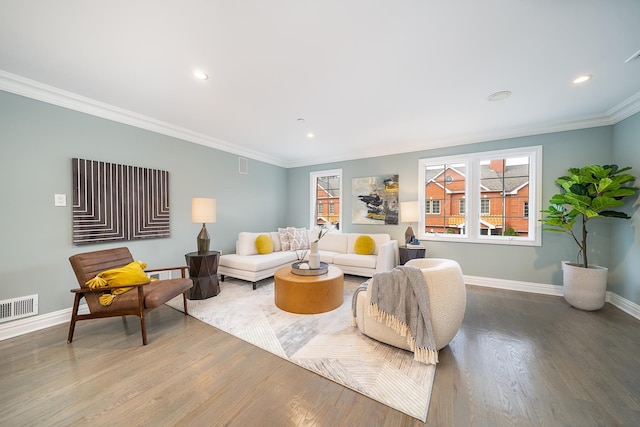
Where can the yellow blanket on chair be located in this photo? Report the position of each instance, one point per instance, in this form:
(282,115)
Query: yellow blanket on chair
(122,276)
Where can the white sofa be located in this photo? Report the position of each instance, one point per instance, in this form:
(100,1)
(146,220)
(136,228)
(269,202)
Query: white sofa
(334,248)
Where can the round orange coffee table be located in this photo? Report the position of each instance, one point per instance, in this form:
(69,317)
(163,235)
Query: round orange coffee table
(308,294)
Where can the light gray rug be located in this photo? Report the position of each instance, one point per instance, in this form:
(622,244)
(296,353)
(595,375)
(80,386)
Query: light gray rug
(323,343)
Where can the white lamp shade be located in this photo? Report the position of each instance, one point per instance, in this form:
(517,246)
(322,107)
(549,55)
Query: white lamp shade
(409,211)
(203,210)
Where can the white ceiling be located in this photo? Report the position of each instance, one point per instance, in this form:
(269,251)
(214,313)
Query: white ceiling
(370,77)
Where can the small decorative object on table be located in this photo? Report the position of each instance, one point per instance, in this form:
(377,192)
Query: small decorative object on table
(314,257)
(302,268)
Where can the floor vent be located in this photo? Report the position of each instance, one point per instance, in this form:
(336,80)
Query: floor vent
(16,308)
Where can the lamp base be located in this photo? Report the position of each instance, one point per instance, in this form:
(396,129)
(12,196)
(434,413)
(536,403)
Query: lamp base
(203,241)
(409,236)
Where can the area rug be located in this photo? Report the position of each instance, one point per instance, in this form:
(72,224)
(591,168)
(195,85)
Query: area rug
(323,343)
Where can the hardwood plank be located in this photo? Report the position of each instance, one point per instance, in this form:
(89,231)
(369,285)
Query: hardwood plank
(519,359)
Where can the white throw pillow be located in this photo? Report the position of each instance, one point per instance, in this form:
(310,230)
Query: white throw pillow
(285,245)
(247,243)
(275,236)
(298,238)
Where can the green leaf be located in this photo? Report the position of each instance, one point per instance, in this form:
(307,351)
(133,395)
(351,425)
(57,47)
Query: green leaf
(614,214)
(621,192)
(579,189)
(555,230)
(606,183)
(558,199)
(602,203)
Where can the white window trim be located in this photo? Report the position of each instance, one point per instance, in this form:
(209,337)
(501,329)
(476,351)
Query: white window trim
(472,203)
(313,177)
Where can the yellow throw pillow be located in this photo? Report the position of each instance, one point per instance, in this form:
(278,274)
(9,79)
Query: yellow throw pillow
(364,245)
(264,244)
(129,274)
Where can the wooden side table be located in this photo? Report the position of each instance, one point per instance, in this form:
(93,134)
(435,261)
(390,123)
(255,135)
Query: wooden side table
(407,254)
(203,270)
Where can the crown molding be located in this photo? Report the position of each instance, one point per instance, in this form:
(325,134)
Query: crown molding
(32,89)
(625,109)
(472,138)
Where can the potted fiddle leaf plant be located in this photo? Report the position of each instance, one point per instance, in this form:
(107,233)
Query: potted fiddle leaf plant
(589,193)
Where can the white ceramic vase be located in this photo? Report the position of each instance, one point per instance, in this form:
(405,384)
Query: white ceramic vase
(314,257)
(584,288)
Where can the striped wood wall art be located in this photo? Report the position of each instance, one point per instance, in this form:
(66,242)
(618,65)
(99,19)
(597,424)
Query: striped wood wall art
(114,202)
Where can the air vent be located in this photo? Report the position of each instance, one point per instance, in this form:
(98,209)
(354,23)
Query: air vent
(633,57)
(16,308)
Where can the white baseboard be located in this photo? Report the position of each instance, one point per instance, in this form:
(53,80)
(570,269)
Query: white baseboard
(514,285)
(624,304)
(36,323)
(616,300)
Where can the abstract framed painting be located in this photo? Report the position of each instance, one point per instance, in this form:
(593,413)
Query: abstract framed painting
(374,200)
(113,202)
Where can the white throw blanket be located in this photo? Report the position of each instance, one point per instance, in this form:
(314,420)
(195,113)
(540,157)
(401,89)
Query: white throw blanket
(400,299)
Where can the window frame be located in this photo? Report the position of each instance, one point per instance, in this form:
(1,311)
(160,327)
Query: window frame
(472,196)
(313,179)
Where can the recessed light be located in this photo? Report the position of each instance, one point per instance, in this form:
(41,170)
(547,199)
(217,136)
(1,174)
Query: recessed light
(582,79)
(499,96)
(310,135)
(201,75)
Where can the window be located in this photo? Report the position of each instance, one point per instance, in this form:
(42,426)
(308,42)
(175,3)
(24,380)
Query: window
(482,197)
(444,187)
(432,207)
(326,189)
(485,207)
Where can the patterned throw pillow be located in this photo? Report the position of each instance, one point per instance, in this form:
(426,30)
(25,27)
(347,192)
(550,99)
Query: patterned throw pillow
(298,238)
(285,244)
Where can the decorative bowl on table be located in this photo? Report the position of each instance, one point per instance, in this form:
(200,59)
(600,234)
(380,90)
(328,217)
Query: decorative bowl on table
(301,268)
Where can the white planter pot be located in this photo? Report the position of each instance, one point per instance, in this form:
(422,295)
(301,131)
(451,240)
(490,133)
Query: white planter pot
(584,288)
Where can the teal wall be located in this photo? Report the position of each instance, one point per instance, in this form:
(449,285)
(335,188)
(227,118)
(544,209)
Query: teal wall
(37,143)
(624,271)
(518,263)
(38,140)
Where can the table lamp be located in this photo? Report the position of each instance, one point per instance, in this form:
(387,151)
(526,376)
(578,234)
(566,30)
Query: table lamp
(409,213)
(203,210)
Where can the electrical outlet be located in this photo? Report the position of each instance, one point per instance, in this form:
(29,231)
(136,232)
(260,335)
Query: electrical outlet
(60,200)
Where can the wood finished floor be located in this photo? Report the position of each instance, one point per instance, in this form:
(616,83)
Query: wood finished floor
(519,360)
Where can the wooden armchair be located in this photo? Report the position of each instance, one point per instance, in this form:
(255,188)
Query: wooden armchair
(138,301)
